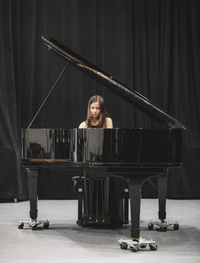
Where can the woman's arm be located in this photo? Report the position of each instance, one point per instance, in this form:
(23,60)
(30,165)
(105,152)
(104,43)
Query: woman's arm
(109,123)
(82,125)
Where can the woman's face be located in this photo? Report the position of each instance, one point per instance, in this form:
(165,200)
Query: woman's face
(95,109)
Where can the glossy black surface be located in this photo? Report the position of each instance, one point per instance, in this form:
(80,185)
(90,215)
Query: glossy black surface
(45,143)
(104,145)
(129,94)
(126,145)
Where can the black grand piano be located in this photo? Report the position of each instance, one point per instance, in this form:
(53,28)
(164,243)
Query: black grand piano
(105,156)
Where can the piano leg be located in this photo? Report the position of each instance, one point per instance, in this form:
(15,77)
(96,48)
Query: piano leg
(33,223)
(32,186)
(136,242)
(162,195)
(135,201)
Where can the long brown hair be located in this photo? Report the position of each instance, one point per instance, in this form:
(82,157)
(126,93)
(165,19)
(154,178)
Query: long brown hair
(102,115)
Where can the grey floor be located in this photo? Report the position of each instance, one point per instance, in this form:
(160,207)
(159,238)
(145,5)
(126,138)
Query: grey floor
(65,241)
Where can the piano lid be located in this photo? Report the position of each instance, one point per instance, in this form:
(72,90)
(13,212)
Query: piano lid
(134,96)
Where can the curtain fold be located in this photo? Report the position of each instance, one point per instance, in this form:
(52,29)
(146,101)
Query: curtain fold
(9,147)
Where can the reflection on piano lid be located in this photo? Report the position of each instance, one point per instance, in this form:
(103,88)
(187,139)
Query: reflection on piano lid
(45,144)
(136,146)
(88,68)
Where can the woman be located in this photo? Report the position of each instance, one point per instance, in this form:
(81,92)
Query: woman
(96,114)
(97,187)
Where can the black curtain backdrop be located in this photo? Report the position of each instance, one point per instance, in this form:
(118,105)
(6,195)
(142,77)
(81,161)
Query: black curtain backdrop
(152,46)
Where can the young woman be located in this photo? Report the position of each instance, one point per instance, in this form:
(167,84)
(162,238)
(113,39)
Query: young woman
(96,114)
(96,188)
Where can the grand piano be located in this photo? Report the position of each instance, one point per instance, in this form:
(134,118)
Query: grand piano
(129,155)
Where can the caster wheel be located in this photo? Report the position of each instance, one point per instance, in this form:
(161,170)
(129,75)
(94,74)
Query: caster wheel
(21,226)
(34,227)
(123,246)
(176,226)
(150,226)
(46,225)
(134,249)
(163,228)
(153,247)
(143,246)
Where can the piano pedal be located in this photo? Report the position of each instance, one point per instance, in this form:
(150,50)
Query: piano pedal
(136,245)
(163,226)
(33,224)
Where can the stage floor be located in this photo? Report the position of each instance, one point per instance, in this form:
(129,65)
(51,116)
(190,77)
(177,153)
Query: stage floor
(67,242)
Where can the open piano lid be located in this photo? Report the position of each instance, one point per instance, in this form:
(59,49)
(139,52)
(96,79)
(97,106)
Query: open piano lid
(88,68)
